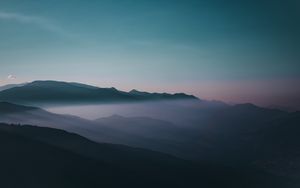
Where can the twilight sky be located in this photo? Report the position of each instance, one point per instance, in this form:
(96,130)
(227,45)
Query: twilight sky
(235,51)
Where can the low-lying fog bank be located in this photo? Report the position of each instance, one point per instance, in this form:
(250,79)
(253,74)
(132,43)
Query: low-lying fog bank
(178,112)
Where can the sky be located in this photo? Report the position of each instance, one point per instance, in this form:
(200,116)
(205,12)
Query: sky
(234,51)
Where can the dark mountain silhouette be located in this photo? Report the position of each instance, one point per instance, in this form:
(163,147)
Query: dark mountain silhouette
(54,92)
(142,132)
(242,134)
(138,132)
(238,136)
(250,135)
(147,95)
(277,147)
(19,114)
(8,86)
(82,146)
(43,157)
(7,108)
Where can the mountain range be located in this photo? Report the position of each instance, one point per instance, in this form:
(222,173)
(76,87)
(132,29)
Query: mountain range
(179,138)
(55,92)
(50,157)
(43,157)
(240,135)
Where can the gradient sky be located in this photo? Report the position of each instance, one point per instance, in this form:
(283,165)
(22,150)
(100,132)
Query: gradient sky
(235,51)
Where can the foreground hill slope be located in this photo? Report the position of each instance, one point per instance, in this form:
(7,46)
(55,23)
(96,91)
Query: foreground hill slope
(43,157)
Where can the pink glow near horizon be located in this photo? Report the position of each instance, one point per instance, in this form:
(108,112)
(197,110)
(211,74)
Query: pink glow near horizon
(263,93)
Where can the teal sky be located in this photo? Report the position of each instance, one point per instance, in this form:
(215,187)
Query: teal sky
(236,51)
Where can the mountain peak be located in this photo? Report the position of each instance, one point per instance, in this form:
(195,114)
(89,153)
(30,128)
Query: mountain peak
(133,91)
(137,92)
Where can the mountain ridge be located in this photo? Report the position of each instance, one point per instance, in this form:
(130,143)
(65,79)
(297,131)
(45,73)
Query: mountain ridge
(55,158)
(8,86)
(166,138)
(55,92)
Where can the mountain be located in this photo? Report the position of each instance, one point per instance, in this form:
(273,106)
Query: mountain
(246,134)
(52,158)
(237,136)
(8,108)
(142,132)
(277,147)
(19,114)
(160,96)
(54,92)
(154,134)
(49,158)
(11,86)
(85,147)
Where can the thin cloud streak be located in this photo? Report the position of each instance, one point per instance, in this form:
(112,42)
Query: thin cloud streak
(34,20)
(11,77)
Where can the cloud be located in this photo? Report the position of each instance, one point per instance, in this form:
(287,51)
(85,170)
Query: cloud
(11,77)
(33,20)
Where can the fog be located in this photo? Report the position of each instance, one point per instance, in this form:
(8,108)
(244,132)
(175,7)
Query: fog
(165,126)
(191,129)
(178,112)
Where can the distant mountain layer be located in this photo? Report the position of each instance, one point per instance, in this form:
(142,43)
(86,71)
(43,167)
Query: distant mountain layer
(54,92)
